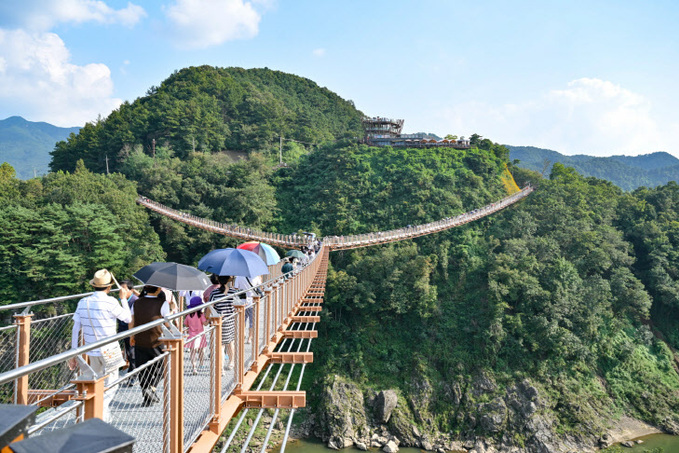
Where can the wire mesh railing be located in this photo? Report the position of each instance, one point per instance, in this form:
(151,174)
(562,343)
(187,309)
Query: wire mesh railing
(131,411)
(229,353)
(49,337)
(8,360)
(60,417)
(197,378)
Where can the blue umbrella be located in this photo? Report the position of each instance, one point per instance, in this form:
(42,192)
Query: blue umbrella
(233,262)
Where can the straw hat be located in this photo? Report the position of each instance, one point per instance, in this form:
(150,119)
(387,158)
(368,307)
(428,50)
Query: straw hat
(102,278)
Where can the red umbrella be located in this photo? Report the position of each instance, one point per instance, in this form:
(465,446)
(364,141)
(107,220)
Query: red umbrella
(265,251)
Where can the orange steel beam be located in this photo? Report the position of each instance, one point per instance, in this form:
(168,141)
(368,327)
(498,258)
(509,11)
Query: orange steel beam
(305,319)
(311,308)
(274,400)
(300,334)
(52,398)
(291,357)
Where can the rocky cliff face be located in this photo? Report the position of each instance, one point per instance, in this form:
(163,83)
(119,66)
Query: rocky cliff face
(488,418)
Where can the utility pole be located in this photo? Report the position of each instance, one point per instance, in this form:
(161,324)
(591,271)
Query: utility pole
(107,164)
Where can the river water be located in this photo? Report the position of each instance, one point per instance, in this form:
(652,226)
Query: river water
(669,444)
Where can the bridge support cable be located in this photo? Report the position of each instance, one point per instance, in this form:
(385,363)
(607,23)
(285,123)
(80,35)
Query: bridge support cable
(337,242)
(245,411)
(292,411)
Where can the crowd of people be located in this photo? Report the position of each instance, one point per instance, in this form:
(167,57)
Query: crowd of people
(101,315)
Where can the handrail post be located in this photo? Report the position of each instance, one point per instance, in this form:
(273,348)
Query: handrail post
(174,390)
(269,301)
(255,344)
(91,393)
(240,347)
(217,364)
(23,352)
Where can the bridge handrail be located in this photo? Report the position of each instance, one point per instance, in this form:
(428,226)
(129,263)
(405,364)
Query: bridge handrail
(287,240)
(51,300)
(61,357)
(338,242)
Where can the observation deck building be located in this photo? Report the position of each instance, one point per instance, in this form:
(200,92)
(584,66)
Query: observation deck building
(380,131)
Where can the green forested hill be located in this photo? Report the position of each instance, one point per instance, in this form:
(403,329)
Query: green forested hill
(208,109)
(626,172)
(26,145)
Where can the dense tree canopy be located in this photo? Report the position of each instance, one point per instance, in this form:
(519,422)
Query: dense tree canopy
(210,109)
(59,229)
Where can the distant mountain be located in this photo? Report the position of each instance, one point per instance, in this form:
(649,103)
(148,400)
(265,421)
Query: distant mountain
(627,172)
(26,145)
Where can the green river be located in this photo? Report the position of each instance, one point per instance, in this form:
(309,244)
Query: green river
(669,444)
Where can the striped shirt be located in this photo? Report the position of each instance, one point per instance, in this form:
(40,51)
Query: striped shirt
(227,312)
(100,321)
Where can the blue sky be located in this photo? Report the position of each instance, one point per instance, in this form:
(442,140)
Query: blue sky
(590,77)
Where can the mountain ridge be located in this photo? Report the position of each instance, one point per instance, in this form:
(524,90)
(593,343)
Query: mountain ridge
(26,144)
(627,172)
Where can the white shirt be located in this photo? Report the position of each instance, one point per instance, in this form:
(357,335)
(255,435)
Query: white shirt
(241,283)
(100,321)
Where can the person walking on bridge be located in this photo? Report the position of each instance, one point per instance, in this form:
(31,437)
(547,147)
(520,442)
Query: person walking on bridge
(96,316)
(150,306)
(224,307)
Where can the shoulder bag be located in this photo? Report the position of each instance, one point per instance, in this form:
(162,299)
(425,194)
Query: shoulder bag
(111,352)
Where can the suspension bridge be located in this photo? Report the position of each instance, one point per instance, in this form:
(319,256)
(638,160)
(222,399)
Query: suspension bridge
(195,408)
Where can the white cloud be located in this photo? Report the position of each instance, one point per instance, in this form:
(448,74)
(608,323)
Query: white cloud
(320,52)
(43,15)
(38,81)
(589,116)
(198,24)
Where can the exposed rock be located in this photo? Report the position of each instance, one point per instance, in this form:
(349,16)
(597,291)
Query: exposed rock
(391,447)
(627,443)
(483,384)
(342,415)
(426,445)
(494,415)
(361,446)
(385,403)
(401,425)
(605,441)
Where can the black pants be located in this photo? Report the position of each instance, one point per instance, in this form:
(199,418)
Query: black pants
(129,354)
(151,375)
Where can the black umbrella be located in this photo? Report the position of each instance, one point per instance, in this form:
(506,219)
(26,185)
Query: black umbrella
(177,277)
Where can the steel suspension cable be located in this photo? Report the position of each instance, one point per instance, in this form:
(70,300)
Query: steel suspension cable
(292,411)
(235,429)
(285,387)
(261,411)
